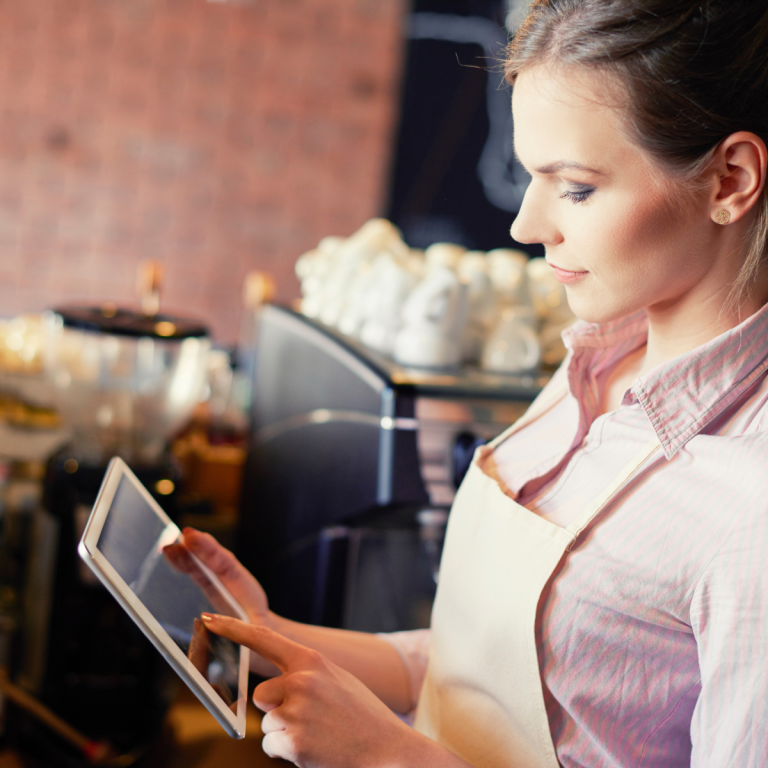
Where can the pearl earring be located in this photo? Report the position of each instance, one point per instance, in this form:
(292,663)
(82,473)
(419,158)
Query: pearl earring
(722,216)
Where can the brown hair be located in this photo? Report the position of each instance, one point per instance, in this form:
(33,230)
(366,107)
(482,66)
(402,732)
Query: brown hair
(696,71)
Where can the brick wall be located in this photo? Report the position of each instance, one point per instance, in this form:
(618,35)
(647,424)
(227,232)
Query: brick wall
(216,137)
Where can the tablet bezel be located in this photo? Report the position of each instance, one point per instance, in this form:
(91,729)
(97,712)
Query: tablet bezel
(233,724)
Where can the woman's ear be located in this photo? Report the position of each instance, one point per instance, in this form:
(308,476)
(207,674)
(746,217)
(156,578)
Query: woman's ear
(740,164)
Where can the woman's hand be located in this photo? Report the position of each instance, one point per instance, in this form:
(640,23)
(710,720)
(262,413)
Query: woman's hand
(239,581)
(233,575)
(318,715)
(365,657)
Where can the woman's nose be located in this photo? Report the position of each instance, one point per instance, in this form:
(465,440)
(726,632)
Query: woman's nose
(533,223)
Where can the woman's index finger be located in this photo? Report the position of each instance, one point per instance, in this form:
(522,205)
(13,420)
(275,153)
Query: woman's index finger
(285,654)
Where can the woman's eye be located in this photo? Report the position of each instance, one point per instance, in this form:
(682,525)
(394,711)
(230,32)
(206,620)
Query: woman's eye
(577,195)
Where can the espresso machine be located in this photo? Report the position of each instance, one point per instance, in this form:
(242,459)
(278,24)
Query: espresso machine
(124,383)
(352,465)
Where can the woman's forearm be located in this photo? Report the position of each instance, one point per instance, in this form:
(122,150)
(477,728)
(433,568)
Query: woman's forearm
(368,657)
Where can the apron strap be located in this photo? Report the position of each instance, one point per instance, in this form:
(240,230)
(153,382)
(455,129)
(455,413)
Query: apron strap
(586,517)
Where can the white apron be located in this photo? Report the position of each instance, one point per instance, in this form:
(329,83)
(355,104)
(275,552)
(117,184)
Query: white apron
(482,696)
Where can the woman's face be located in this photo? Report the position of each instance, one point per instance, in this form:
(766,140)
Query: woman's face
(621,234)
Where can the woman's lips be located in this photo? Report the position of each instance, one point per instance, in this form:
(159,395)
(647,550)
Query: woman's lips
(567,275)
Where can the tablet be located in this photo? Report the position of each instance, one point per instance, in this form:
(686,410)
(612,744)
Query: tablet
(134,549)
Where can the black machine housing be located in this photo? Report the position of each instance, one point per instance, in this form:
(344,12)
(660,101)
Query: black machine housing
(352,465)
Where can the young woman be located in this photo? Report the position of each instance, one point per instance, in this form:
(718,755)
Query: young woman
(602,598)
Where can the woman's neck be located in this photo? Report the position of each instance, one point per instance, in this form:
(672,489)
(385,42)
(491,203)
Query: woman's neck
(673,331)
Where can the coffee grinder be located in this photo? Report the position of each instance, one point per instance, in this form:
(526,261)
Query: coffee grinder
(124,382)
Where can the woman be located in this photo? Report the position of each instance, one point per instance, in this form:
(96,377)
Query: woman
(602,600)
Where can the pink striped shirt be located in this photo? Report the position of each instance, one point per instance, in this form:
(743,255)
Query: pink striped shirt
(652,635)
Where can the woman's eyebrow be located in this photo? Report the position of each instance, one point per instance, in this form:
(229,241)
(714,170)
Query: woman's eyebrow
(563,165)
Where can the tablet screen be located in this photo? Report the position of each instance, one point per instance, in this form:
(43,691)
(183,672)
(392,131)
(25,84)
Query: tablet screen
(170,584)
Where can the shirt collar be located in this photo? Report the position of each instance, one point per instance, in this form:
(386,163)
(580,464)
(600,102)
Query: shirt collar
(684,394)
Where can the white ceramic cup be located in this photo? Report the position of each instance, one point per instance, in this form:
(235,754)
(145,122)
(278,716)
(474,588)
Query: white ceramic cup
(434,316)
(512,347)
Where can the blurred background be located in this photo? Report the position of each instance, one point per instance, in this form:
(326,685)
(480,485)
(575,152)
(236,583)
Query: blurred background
(218,137)
(260,250)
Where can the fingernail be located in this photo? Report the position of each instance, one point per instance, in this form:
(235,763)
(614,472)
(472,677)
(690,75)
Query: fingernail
(206,617)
